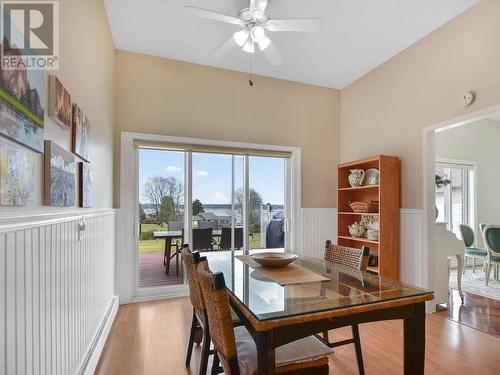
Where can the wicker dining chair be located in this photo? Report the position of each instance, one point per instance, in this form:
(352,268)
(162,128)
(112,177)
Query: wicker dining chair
(356,259)
(199,325)
(234,347)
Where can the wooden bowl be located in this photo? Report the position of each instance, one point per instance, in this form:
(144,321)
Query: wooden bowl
(274,259)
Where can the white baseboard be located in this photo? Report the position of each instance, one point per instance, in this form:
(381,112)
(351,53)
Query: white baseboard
(91,360)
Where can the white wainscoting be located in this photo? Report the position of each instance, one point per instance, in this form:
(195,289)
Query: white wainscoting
(57,298)
(411,246)
(320,224)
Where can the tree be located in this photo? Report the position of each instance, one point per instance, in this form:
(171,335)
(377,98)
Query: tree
(142,214)
(167,210)
(157,188)
(197,207)
(255,204)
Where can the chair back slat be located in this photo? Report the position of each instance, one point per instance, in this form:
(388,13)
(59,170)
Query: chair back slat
(208,224)
(219,317)
(202,239)
(347,256)
(195,293)
(225,239)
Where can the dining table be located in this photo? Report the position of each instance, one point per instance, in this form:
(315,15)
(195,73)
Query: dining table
(278,309)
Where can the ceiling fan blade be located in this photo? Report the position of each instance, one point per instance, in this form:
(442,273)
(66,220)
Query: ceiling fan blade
(299,24)
(224,48)
(272,54)
(263,4)
(205,13)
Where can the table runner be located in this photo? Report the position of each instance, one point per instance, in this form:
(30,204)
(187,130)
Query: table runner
(288,275)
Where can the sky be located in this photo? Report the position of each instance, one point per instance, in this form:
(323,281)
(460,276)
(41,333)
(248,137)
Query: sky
(212,174)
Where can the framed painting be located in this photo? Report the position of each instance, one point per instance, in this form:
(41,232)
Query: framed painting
(81,134)
(22,106)
(85,175)
(60,176)
(60,109)
(17,175)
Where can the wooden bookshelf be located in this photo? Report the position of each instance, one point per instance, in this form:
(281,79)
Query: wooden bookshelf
(387,193)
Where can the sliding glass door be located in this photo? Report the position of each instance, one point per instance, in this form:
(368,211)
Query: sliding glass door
(214,200)
(266,208)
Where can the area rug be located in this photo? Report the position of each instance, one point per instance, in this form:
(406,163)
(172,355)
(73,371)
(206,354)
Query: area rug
(475,283)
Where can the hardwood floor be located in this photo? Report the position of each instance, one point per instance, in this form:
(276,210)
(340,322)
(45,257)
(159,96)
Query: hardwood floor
(150,338)
(477,312)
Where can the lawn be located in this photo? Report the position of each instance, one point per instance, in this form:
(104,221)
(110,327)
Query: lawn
(157,246)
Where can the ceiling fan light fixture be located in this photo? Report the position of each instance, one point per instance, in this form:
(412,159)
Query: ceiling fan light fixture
(264,43)
(249,46)
(240,37)
(257,34)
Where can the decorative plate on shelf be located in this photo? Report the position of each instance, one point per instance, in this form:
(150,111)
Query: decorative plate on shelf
(274,259)
(371,177)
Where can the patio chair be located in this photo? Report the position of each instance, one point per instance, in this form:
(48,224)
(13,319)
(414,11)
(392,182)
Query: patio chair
(202,239)
(208,224)
(175,225)
(225,238)
(199,324)
(356,259)
(471,251)
(235,348)
(491,235)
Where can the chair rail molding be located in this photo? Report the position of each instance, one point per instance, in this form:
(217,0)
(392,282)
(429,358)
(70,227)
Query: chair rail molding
(57,299)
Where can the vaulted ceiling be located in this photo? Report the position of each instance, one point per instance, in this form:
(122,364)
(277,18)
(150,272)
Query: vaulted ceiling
(357,35)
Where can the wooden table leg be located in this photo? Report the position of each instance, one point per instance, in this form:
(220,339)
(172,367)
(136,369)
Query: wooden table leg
(168,249)
(266,364)
(414,342)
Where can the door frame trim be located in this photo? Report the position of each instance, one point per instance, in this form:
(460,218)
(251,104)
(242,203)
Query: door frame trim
(127,228)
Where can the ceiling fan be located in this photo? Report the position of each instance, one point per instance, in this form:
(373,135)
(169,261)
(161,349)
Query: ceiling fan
(254,22)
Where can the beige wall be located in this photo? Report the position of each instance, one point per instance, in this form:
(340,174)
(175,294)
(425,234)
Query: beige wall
(86,68)
(87,71)
(161,96)
(386,110)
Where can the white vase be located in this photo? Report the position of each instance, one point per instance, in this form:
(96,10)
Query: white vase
(356,177)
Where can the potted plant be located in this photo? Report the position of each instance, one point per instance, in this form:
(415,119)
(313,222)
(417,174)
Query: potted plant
(441,181)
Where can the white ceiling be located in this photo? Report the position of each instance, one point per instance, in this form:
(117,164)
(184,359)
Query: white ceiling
(358,35)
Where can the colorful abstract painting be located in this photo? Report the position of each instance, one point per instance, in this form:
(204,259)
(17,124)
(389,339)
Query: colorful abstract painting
(22,106)
(17,175)
(85,185)
(60,109)
(81,134)
(60,176)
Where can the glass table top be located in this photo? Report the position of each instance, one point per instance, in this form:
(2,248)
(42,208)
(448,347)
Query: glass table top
(267,299)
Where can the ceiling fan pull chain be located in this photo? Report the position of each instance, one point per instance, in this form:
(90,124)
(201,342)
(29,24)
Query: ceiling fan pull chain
(250,81)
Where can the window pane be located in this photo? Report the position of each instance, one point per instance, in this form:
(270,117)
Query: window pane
(267,199)
(161,197)
(212,179)
(457,200)
(440,198)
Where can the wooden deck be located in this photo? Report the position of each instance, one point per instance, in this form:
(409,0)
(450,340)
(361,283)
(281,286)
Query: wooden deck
(152,271)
